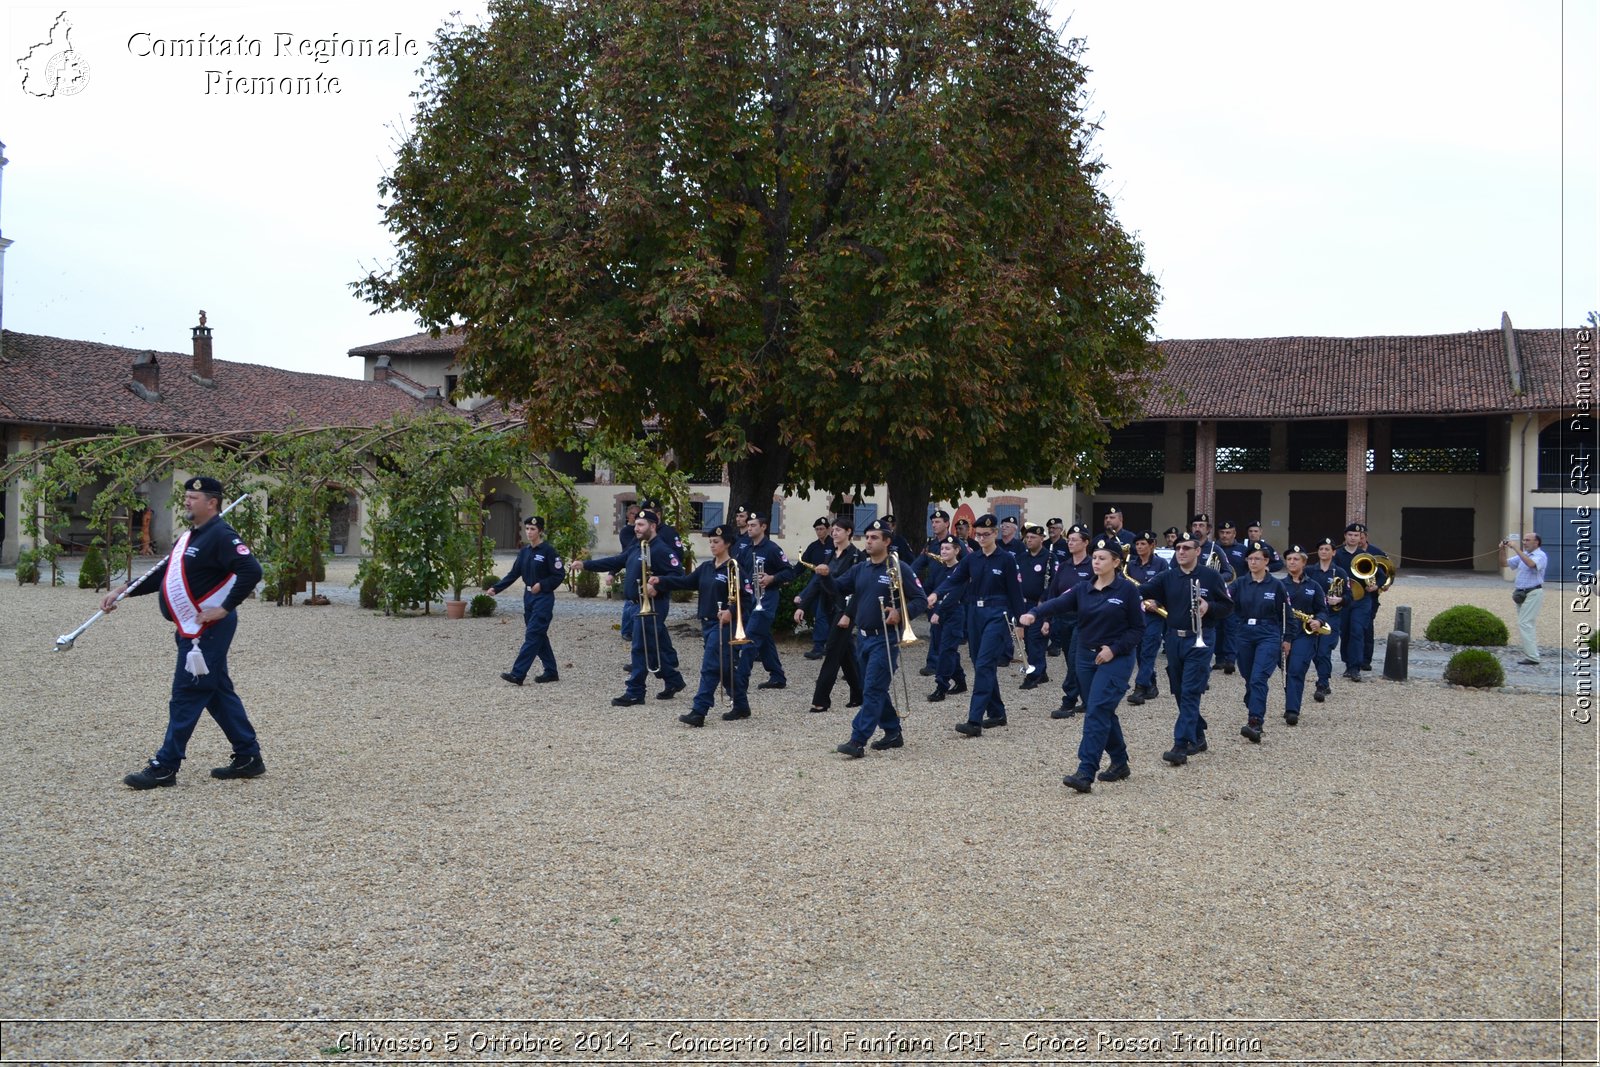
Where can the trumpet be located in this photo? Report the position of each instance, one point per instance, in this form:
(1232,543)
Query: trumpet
(1311,625)
(758,571)
(738,637)
(1365,567)
(1195,618)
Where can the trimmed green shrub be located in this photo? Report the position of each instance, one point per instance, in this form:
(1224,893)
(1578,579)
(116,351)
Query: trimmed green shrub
(27,567)
(783,621)
(92,575)
(371,595)
(1467,625)
(1476,668)
(482,606)
(587,584)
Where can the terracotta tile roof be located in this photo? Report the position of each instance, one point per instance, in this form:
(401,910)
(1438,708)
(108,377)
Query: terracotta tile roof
(417,344)
(1342,377)
(56,381)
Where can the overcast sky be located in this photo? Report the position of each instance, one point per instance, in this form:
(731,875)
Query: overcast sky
(1365,168)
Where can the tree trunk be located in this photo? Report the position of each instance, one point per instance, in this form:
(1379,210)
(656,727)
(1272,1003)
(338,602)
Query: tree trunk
(754,480)
(908,498)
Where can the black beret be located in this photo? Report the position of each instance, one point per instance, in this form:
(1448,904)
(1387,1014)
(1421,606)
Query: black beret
(1113,510)
(1356,527)
(1188,539)
(1327,541)
(1144,535)
(1012,519)
(940,513)
(949,539)
(209,486)
(534,521)
(820,524)
(879,525)
(1252,547)
(1201,517)
(888,518)
(1080,529)
(985,522)
(723,532)
(1296,550)
(1033,528)
(1226,525)
(1106,544)
(648,515)
(1171,530)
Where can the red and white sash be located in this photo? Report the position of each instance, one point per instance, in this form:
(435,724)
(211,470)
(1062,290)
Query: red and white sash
(181,601)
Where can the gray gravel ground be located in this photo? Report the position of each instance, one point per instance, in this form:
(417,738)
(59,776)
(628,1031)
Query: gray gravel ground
(489,862)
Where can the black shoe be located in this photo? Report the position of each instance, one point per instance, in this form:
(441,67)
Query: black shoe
(1367,667)
(990,724)
(1052,652)
(774,683)
(1078,782)
(1320,695)
(1136,697)
(670,691)
(1352,674)
(882,743)
(1115,773)
(1227,668)
(813,654)
(1042,677)
(547,676)
(936,696)
(969,729)
(928,672)
(1151,693)
(1194,748)
(508,676)
(241,767)
(1291,717)
(692,720)
(1065,711)
(959,687)
(855,703)
(1252,730)
(854,751)
(151,775)
(1177,755)
(817,709)
(736,714)
(1032,681)
(626,701)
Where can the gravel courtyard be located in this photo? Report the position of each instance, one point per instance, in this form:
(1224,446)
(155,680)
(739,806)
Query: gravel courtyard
(436,856)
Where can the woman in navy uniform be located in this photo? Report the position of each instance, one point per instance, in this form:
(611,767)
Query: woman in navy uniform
(1304,595)
(1323,572)
(1110,627)
(540,569)
(715,610)
(1196,599)
(211,560)
(874,615)
(650,637)
(1072,570)
(1142,567)
(839,653)
(1259,604)
(994,601)
(1033,564)
(949,624)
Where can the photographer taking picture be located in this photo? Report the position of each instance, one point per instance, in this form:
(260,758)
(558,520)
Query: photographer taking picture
(1527,565)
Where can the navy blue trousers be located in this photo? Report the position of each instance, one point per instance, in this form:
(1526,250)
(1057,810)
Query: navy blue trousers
(652,644)
(1301,654)
(991,643)
(1355,635)
(537,609)
(877,662)
(211,692)
(952,635)
(717,668)
(1150,648)
(758,628)
(1103,687)
(1258,662)
(1188,672)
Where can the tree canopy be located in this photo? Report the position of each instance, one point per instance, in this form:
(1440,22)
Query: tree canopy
(828,243)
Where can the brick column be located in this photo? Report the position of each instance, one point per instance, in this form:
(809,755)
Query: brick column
(1205,467)
(1355,471)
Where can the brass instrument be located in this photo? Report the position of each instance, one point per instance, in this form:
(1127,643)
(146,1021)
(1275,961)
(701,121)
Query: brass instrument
(897,591)
(739,637)
(758,571)
(1365,567)
(1336,588)
(1310,624)
(647,611)
(812,567)
(1195,618)
(646,601)
(1122,568)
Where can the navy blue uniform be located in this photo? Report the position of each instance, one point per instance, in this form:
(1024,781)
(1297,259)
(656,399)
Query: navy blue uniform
(839,652)
(758,626)
(214,555)
(1188,661)
(1258,608)
(993,594)
(946,636)
(1228,632)
(1307,596)
(626,539)
(1323,656)
(1154,625)
(540,570)
(1065,627)
(815,553)
(710,580)
(1355,631)
(650,637)
(867,587)
(1112,618)
(1034,568)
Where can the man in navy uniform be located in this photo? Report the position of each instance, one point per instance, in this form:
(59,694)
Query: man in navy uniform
(1324,572)
(539,567)
(211,562)
(765,566)
(1143,566)
(716,611)
(1008,535)
(650,637)
(950,632)
(874,614)
(839,654)
(1252,533)
(1077,567)
(1191,638)
(1232,551)
(1115,532)
(898,544)
(993,594)
(1355,631)
(817,552)
(1033,565)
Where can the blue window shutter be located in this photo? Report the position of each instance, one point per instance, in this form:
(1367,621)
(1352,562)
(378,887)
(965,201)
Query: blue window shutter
(711,510)
(775,527)
(927,526)
(864,513)
(1013,510)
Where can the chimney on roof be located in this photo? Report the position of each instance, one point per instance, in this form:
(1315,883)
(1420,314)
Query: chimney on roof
(146,382)
(1513,357)
(380,369)
(202,353)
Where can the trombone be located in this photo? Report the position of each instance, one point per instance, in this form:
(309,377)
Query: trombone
(647,611)
(897,602)
(725,672)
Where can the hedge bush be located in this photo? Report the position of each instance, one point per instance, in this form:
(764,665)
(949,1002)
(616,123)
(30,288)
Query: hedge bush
(1476,668)
(587,584)
(482,606)
(371,595)
(27,567)
(92,575)
(1467,625)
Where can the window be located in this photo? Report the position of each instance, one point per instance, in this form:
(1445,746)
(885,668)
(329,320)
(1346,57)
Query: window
(1136,459)
(1566,452)
(1439,446)
(1244,446)
(1318,447)
(450,381)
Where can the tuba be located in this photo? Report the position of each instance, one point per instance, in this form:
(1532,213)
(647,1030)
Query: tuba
(1366,567)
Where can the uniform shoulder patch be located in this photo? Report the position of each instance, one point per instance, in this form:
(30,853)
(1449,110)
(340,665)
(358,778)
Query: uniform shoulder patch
(243,550)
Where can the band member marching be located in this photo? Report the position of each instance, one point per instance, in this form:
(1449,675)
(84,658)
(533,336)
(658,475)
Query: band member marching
(875,612)
(839,653)
(814,553)
(539,567)
(1307,611)
(949,632)
(1259,601)
(1335,583)
(1033,564)
(1110,627)
(722,601)
(1231,550)
(993,594)
(1196,599)
(1142,567)
(652,650)
(1355,630)
(766,568)
(1072,570)
(209,574)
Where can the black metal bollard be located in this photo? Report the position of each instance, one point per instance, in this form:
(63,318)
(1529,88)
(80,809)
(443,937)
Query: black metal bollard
(1397,654)
(1402,618)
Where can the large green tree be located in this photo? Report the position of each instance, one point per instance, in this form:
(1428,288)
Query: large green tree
(829,243)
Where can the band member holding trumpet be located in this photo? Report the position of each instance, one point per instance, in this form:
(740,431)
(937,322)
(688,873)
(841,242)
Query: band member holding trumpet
(539,567)
(881,592)
(1259,606)
(993,595)
(652,645)
(1335,583)
(766,568)
(724,604)
(1305,628)
(1110,627)
(1142,567)
(1196,599)
(839,653)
